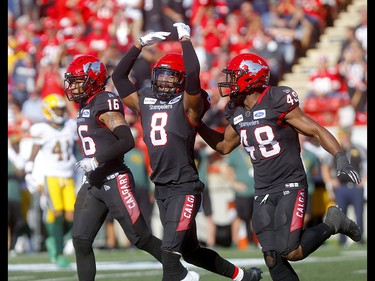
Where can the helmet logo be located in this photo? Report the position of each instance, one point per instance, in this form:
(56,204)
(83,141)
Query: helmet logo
(94,66)
(250,66)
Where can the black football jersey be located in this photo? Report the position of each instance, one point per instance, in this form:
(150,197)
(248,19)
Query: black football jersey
(169,138)
(272,144)
(95,136)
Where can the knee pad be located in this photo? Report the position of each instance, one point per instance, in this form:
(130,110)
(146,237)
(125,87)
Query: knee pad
(270,257)
(280,269)
(82,245)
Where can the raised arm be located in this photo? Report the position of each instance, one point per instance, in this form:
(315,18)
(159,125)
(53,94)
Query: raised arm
(120,75)
(193,101)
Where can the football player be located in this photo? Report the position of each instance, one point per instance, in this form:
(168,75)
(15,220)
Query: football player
(266,120)
(171,111)
(109,184)
(53,143)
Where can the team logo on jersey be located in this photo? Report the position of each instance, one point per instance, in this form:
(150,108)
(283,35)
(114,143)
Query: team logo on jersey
(86,113)
(237,119)
(149,101)
(175,100)
(259,114)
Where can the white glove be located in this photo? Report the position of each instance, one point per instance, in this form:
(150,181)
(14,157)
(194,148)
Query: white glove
(182,29)
(87,164)
(153,37)
(31,183)
(29,167)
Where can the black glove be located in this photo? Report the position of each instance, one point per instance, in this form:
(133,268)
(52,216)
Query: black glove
(343,167)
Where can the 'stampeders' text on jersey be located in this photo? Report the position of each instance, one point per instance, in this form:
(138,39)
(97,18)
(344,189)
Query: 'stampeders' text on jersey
(272,144)
(169,138)
(94,135)
(57,147)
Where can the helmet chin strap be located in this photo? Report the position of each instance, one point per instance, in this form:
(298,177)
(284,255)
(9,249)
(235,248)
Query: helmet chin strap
(250,88)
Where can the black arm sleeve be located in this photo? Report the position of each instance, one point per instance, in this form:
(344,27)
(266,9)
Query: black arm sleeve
(120,75)
(124,143)
(192,68)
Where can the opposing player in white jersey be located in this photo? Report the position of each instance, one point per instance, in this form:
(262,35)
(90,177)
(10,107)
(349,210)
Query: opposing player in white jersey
(54,141)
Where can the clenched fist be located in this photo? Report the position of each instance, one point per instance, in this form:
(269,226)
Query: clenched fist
(182,29)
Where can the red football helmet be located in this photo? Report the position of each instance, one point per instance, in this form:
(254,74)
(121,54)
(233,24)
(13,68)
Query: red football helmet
(86,76)
(244,73)
(168,77)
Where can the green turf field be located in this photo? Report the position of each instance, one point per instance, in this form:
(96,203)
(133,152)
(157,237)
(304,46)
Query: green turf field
(330,262)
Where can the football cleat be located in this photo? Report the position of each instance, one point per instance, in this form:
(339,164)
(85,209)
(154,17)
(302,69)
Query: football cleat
(68,248)
(62,262)
(252,274)
(340,223)
(51,248)
(191,276)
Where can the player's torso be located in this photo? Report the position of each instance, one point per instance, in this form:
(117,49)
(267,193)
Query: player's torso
(169,138)
(57,147)
(272,145)
(95,135)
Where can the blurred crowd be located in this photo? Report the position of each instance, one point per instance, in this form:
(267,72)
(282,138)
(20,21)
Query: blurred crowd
(44,36)
(337,92)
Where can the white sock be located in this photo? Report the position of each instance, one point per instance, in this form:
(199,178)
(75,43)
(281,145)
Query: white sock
(239,275)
